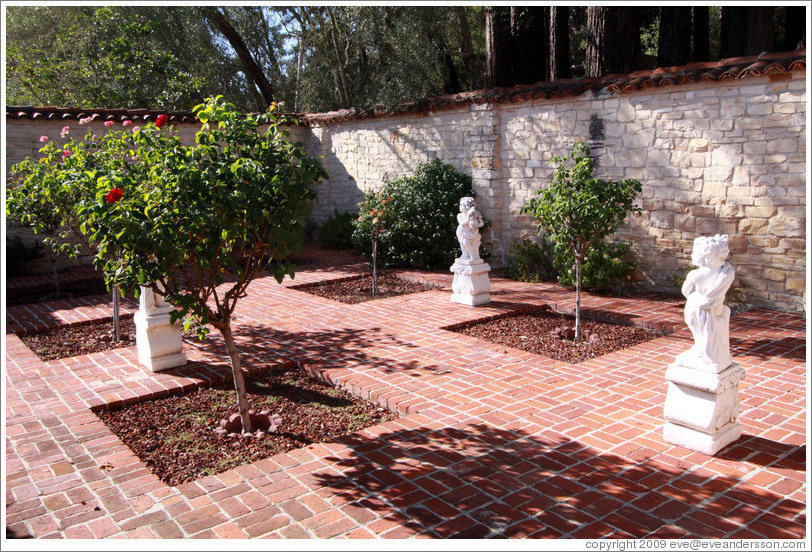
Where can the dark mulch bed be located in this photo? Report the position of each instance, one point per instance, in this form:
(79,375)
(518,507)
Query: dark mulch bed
(82,339)
(175,436)
(548,333)
(76,288)
(358,290)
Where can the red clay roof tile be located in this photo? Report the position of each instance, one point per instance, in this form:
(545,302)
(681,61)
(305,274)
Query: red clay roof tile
(732,68)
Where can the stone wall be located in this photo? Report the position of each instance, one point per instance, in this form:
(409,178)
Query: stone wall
(713,157)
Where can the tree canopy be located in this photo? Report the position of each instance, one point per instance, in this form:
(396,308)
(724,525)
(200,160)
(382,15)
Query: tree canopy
(319,58)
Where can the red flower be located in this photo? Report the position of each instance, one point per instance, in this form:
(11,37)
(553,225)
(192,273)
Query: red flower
(161,120)
(114,195)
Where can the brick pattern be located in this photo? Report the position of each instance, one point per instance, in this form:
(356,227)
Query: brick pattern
(492,442)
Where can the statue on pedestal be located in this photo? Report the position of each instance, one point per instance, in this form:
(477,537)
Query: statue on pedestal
(471,285)
(702,403)
(707,316)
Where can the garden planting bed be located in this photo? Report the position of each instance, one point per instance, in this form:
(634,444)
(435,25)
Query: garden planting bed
(175,435)
(80,339)
(359,289)
(549,333)
(71,289)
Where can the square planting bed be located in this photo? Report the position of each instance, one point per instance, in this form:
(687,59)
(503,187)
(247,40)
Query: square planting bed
(358,289)
(549,333)
(177,438)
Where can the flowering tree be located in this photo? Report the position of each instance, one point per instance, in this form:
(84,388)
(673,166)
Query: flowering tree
(196,224)
(578,210)
(375,216)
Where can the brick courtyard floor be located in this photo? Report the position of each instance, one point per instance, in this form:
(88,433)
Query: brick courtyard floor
(492,442)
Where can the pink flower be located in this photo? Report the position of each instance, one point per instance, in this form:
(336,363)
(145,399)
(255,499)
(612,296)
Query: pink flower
(65,131)
(161,120)
(108,123)
(114,195)
(126,123)
(136,128)
(43,138)
(85,120)
(66,153)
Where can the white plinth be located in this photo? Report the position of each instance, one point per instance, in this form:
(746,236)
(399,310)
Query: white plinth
(471,285)
(702,408)
(160,344)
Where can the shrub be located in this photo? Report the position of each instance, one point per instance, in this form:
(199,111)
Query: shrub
(336,232)
(18,255)
(530,261)
(604,268)
(422,217)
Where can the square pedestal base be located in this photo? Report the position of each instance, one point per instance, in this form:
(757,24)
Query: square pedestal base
(471,284)
(160,343)
(701,408)
(699,440)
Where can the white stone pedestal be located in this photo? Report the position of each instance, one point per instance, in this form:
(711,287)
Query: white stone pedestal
(471,285)
(702,407)
(159,342)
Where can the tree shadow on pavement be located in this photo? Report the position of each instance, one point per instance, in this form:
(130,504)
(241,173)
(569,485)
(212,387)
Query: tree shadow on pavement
(477,481)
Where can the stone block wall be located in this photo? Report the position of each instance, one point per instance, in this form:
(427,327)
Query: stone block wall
(713,157)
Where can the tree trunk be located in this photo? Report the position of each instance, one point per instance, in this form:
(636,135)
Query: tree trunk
(760,30)
(578,256)
(746,31)
(253,70)
(700,34)
(497,45)
(674,42)
(528,27)
(794,28)
(236,370)
(374,262)
(451,80)
(559,43)
(732,31)
(612,37)
(116,314)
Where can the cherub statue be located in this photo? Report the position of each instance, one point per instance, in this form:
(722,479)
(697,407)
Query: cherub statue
(707,316)
(470,221)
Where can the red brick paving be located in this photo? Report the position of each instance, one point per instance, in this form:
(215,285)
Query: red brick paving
(493,441)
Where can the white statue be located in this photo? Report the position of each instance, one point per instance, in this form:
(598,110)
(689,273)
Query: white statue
(707,316)
(471,285)
(470,221)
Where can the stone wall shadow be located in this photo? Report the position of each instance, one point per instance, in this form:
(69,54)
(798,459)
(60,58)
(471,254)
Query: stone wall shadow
(477,481)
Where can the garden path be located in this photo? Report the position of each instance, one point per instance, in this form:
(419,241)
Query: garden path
(492,442)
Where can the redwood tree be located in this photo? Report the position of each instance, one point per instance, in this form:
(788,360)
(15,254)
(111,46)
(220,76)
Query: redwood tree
(612,39)
(674,40)
(559,60)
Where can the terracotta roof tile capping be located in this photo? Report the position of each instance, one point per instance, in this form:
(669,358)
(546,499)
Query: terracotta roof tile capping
(733,68)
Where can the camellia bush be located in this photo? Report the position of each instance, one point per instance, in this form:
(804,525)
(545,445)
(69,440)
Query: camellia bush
(196,224)
(577,211)
(419,229)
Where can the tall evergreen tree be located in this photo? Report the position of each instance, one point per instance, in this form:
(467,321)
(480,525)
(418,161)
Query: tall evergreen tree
(612,40)
(559,67)
(674,39)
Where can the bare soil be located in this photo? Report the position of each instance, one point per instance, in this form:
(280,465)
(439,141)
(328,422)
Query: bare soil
(551,334)
(175,436)
(358,290)
(83,339)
